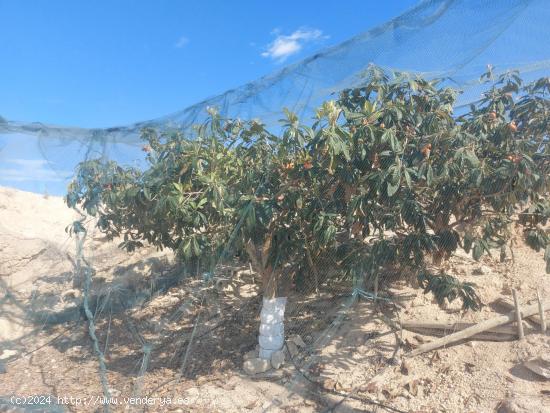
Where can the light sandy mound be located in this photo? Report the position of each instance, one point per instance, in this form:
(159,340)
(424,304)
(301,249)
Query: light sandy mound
(37,260)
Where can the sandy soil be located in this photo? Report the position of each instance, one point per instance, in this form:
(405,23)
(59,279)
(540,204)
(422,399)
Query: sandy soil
(184,341)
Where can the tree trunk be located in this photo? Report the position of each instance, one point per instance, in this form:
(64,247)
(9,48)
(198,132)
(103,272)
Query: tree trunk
(271,336)
(268,276)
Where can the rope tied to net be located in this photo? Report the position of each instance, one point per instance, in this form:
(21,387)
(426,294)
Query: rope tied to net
(87,272)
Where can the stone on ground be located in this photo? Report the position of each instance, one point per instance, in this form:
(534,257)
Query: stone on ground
(6,354)
(296,339)
(277,359)
(256,366)
(292,348)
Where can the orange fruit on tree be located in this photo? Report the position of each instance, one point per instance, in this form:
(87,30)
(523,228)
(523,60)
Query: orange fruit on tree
(512,126)
(426,150)
(308,165)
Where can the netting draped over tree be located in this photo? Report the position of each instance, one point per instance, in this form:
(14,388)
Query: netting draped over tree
(285,202)
(438,38)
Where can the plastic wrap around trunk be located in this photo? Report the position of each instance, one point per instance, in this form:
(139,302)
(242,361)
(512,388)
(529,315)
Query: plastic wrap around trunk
(272,331)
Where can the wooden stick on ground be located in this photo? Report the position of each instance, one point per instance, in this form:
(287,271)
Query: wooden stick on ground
(478,328)
(452,327)
(508,304)
(518,315)
(501,333)
(541,312)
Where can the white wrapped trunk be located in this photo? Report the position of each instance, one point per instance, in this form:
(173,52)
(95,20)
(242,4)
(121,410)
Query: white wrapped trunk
(272,331)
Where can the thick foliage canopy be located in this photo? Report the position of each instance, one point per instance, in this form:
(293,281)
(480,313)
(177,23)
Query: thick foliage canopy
(388,175)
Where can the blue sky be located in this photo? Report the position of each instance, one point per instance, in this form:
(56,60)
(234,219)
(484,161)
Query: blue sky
(108,63)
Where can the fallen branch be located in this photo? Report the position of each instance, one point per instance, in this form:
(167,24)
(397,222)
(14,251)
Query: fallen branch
(501,333)
(508,304)
(475,329)
(453,327)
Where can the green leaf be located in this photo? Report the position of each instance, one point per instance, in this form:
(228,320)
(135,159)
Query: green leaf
(408,179)
(147,193)
(430,175)
(477,251)
(471,158)
(392,188)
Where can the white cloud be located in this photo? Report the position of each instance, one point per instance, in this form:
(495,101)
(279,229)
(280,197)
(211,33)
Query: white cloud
(286,45)
(31,170)
(182,42)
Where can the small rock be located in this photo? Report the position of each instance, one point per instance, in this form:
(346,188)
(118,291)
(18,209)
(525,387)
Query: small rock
(277,359)
(509,406)
(481,270)
(292,348)
(540,366)
(252,354)
(256,366)
(296,339)
(6,354)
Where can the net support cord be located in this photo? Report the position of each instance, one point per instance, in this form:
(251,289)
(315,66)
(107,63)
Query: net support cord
(87,272)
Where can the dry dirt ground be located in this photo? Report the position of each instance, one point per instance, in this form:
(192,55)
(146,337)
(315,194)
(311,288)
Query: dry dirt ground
(180,341)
